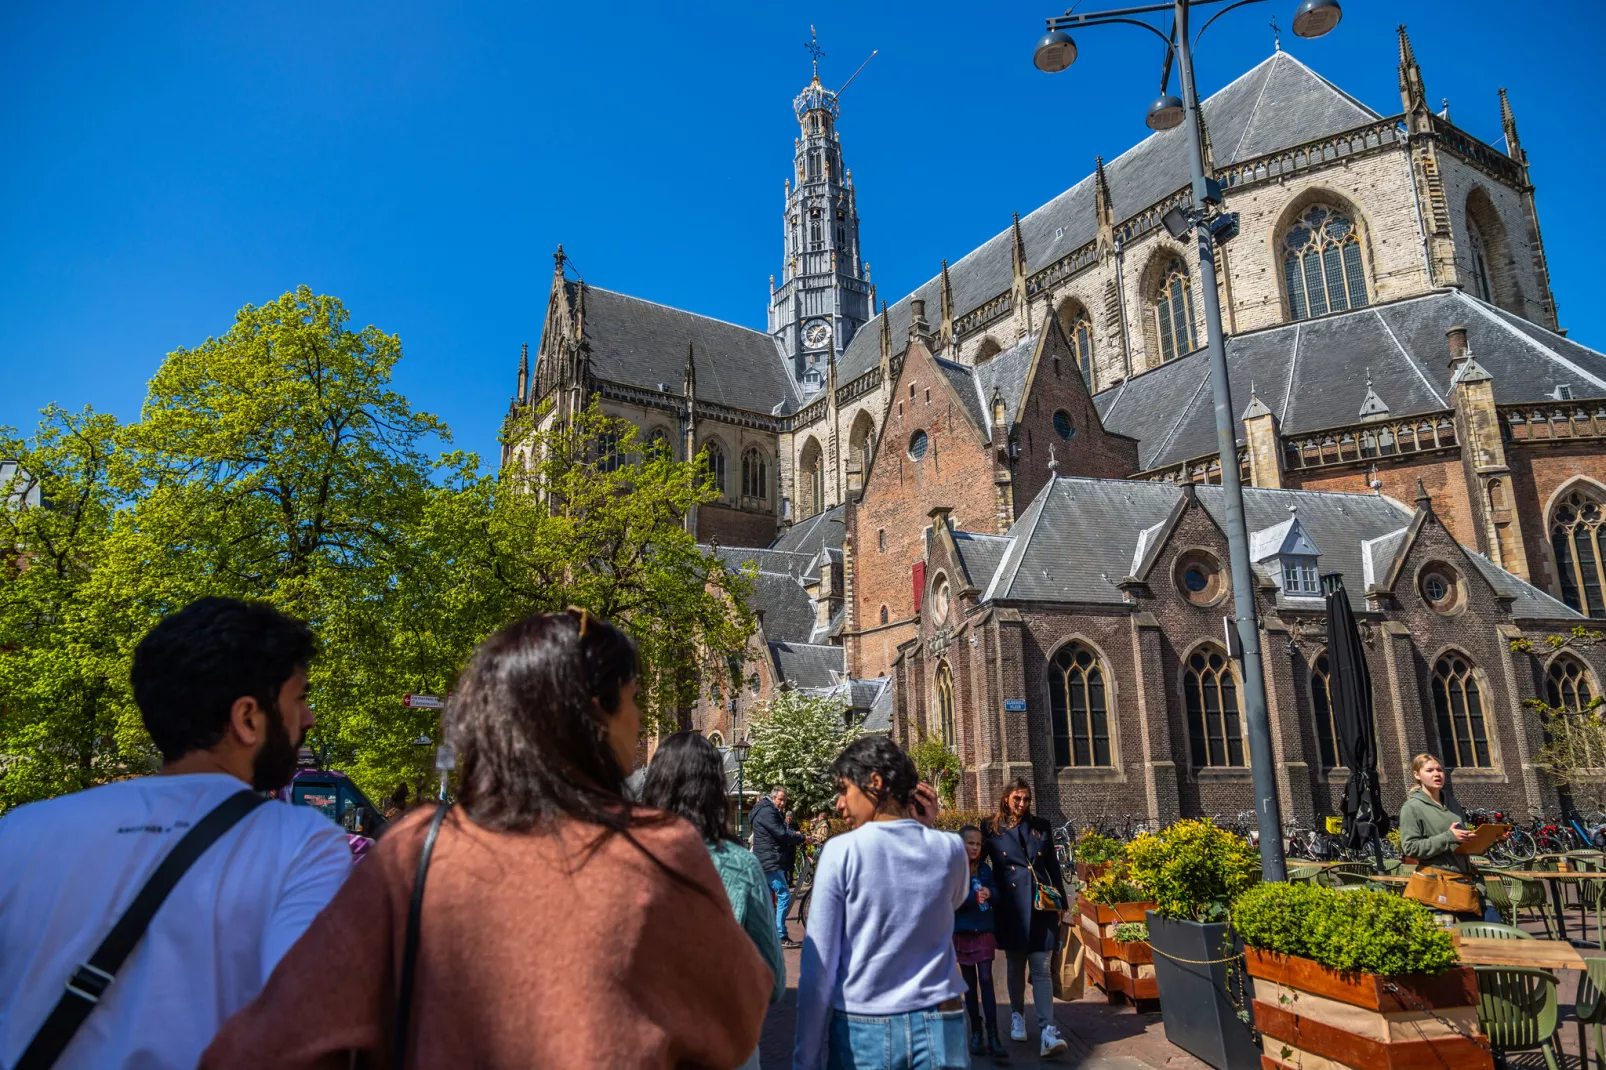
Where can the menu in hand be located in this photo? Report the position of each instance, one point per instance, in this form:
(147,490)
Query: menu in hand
(1483,837)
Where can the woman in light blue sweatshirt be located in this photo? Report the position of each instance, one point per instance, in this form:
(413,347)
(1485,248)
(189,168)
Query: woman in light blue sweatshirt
(879,987)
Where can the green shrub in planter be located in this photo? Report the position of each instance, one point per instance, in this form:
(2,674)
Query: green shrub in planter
(1132,932)
(1192,869)
(1361,931)
(1095,849)
(1114,887)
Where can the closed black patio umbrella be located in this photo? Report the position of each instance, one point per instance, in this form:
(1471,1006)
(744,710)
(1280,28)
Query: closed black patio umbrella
(1350,690)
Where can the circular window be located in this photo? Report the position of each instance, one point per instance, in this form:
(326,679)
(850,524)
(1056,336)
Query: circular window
(1062,425)
(941,601)
(919,443)
(1440,587)
(1199,577)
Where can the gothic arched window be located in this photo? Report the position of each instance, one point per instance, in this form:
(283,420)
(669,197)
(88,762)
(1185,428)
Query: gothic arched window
(1322,264)
(811,480)
(714,460)
(1458,704)
(1321,702)
(1082,342)
(1575,540)
(658,445)
(1173,312)
(1569,694)
(1078,707)
(1480,263)
(609,456)
(755,474)
(1210,693)
(945,704)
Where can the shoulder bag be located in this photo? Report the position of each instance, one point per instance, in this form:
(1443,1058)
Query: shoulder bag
(404,988)
(90,980)
(1044,895)
(1444,889)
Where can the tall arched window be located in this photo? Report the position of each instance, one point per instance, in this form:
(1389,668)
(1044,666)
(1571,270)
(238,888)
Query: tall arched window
(609,457)
(1210,693)
(1173,312)
(1322,264)
(658,445)
(1567,688)
(811,479)
(1458,704)
(1480,263)
(1081,334)
(1575,539)
(755,474)
(945,704)
(1078,708)
(1321,702)
(715,462)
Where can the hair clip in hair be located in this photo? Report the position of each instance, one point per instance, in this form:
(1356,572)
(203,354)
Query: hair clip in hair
(584,617)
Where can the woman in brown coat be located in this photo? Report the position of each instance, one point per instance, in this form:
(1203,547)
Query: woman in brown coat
(561,925)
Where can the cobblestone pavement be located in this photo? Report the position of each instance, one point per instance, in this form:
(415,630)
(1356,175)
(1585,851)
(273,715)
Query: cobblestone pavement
(1101,1036)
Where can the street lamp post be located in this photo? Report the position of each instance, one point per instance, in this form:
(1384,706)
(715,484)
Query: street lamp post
(1055,52)
(739,751)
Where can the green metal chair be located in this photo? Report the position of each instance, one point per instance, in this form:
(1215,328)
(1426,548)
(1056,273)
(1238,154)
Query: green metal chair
(1498,893)
(1298,874)
(1393,866)
(1590,1008)
(1517,1010)
(1337,873)
(1341,878)
(1528,894)
(1488,930)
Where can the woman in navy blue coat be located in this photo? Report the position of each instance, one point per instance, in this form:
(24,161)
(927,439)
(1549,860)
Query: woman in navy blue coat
(1017,842)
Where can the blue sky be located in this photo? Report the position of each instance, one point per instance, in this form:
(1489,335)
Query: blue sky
(167,164)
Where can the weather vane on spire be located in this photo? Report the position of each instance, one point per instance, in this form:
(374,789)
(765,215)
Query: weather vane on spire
(813,45)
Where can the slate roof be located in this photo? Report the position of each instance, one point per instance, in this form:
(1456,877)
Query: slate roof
(641,343)
(1006,372)
(818,532)
(964,383)
(778,590)
(1312,374)
(1078,539)
(808,665)
(980,553)
(1276,104)
(880,717)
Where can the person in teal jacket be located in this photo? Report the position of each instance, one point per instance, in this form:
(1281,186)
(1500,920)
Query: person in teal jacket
(687,777)
(1432,824)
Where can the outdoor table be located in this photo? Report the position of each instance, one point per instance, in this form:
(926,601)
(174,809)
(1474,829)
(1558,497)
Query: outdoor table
(1500,951)
(1555,881)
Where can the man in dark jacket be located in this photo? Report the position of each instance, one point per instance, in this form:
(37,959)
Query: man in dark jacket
(775,846)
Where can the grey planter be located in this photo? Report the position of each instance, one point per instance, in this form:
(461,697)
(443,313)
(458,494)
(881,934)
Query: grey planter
(1195,999)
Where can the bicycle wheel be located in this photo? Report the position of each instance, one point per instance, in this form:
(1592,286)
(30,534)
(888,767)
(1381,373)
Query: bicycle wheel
(1519,847)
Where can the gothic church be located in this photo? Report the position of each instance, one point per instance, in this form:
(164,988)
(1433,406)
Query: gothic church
(989,511)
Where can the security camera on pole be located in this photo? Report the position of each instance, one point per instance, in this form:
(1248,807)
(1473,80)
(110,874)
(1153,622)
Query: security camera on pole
(1055,52)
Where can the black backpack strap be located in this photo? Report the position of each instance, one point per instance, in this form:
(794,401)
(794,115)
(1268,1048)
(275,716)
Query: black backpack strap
(404,990)
(89,981)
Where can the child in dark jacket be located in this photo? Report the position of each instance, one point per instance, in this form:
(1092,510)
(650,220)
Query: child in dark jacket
(975,947)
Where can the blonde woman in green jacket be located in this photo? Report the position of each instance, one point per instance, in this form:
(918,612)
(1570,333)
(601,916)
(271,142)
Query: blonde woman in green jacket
(687,777)
(1432,826)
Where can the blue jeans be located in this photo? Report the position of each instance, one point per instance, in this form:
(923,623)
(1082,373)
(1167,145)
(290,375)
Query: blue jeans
(918,1040)
(783,900)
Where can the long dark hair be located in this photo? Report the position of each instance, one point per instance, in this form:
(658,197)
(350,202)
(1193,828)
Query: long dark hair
(524,723)
(687,777)
(877,754)
(1005,819)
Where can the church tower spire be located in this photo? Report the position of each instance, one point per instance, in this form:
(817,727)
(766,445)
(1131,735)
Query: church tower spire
(823,295)
(1413,93)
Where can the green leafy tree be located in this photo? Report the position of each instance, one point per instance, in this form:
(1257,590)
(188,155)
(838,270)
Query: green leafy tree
(276,462)
(938,766)
(66,718)
(795,739)
(1574,738)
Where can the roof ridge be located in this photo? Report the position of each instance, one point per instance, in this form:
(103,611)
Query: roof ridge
(1334,86)
(1511,328)
(1255,107)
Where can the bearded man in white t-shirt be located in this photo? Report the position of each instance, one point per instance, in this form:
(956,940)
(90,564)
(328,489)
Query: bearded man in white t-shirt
(222,688)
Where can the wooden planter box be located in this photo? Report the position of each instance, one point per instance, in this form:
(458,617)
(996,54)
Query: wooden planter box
(1311,1016)
(1115,967)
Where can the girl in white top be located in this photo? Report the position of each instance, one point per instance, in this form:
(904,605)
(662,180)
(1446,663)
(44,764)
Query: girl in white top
(879,987)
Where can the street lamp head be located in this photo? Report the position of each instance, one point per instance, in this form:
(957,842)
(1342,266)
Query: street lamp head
(1055,51)
(1165,113)
(1315,17)
(739,750)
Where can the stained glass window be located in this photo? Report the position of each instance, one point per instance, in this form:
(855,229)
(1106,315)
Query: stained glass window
(1322,264)
(1575,541)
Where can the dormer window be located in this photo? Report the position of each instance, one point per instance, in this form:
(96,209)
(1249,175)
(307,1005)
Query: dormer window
(1300,579)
